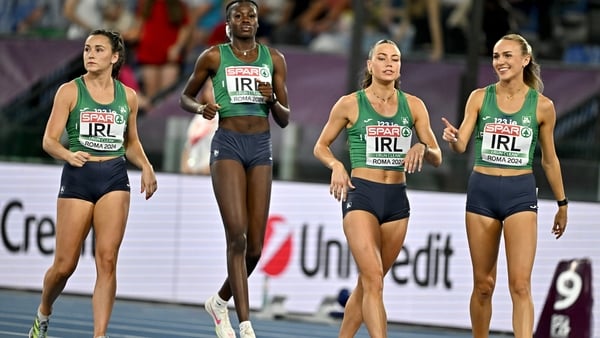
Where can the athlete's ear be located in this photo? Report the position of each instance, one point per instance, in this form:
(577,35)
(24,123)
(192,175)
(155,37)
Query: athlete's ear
(228,30)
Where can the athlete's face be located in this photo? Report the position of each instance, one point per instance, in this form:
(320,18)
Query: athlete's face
(243,20)
(385,63)
(98,54)
(508,59)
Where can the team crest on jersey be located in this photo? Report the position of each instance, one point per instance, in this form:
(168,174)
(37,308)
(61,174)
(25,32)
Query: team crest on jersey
(526,120)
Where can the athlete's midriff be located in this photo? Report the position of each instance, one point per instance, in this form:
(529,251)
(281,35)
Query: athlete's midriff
(101,158)
(380,176)
(501,171)
(245,124)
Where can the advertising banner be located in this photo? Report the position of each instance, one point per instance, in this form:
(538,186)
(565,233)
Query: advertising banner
(174,248)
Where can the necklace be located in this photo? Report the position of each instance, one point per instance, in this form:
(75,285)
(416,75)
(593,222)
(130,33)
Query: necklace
(244,52)
(383,98)
(510,96)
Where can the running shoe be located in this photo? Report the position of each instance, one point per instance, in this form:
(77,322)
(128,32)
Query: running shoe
(247,332)
(220,317)
(39,328)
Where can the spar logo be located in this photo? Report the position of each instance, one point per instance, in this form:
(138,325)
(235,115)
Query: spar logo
(277,250)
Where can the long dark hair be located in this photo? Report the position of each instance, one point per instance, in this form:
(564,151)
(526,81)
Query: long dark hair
(117,45)
(367,76)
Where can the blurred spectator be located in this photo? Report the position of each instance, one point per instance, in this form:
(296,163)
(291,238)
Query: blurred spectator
(12,12)
(117,16)
(498,20)
(288,32)
(195,157)
(456,19)
(421,28)
(205,16)
(270,15)
(327,24)
(162,30)
(84,16)
(45,20)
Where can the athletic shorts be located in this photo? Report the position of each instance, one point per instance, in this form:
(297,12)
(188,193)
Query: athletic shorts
(248,149)
(501,196)
(94,179)
(387,202)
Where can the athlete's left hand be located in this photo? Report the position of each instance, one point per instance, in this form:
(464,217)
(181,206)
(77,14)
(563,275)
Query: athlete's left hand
(560,222)
(266,90)
(415,157)
(149,183)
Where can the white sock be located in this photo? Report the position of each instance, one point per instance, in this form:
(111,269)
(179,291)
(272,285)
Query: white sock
(245,324)
(220,302)
(42,317)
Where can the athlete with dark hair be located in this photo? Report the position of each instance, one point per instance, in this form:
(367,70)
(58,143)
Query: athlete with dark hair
(94,187)
(249,85)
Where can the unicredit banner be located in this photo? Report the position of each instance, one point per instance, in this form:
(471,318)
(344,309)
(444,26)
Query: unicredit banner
(174,248)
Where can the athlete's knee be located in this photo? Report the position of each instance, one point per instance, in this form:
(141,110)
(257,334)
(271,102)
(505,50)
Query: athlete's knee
(64,267)
(372,282)
(237,243)
(520,287)
(106,262)
(484,287)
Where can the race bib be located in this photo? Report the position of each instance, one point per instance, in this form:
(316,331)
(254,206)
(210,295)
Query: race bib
(242,83)
(506,144)
(101,129)
(387,145)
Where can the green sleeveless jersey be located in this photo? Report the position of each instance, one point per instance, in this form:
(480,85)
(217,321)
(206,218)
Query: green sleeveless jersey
(98,129)
(380,142)
(235,83)
(506,140)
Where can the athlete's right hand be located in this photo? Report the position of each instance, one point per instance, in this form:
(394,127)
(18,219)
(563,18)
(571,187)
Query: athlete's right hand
(450,132)
(340,182)
(78,158)
(210,110)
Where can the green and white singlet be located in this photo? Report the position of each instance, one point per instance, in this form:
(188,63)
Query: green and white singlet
(380,142)
(235,83)
(96,128)
(506,140)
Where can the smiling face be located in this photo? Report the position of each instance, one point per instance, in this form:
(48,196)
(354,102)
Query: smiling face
(242,19)
(98,54)
(384,63)
(509,59)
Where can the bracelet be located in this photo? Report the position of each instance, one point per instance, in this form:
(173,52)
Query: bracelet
(200,109)
(426,147)
(563,202)
(272,101)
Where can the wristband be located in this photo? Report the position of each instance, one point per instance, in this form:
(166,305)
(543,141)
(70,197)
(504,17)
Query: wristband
(563,202)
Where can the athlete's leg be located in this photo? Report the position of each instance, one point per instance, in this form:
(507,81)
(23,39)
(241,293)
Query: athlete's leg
(259,198)
(520,238)
(392,240)
(230,187)
(110,219)
(362,231)
(483,234)
(73,221)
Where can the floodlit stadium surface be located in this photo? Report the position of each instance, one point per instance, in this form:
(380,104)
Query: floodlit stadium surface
(72,318)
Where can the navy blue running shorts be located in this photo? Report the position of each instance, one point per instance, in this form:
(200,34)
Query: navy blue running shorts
(94,179)
(501,196)
(248,149)
(387,202)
